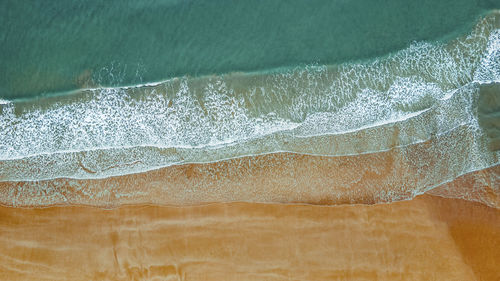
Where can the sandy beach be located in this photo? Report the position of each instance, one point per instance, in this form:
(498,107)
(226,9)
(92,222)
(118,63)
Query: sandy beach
(428,238)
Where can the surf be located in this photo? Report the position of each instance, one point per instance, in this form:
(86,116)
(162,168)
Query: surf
(423,91)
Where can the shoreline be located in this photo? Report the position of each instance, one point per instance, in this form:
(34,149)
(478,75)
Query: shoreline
(279,178)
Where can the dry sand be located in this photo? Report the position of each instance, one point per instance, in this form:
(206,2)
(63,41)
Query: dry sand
(428,238)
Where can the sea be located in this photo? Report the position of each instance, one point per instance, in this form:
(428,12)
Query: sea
(102,88)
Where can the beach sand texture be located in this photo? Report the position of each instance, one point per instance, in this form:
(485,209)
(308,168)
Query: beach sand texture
(427,238)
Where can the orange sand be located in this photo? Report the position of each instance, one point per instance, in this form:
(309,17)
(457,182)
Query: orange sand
(428,238)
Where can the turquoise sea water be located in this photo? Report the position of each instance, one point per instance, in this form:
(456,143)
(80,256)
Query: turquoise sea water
(240,78)
(54,46)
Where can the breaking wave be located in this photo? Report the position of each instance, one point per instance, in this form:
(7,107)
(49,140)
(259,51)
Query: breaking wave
(424,91)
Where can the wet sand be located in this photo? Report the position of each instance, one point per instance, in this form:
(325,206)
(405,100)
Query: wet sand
(427,238)
(273,178)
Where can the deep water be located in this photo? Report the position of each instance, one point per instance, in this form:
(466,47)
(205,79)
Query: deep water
(55,46)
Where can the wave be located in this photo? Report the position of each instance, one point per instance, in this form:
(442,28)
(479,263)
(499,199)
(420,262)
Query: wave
(420,92)
(394,175)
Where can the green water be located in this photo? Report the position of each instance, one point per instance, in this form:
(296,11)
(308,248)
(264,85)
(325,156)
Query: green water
(54,46)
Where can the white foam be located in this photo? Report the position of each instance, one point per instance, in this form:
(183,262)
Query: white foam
(222,116)
(489,69)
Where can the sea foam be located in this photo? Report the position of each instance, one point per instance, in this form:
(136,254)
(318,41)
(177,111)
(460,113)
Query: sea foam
(424,90)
